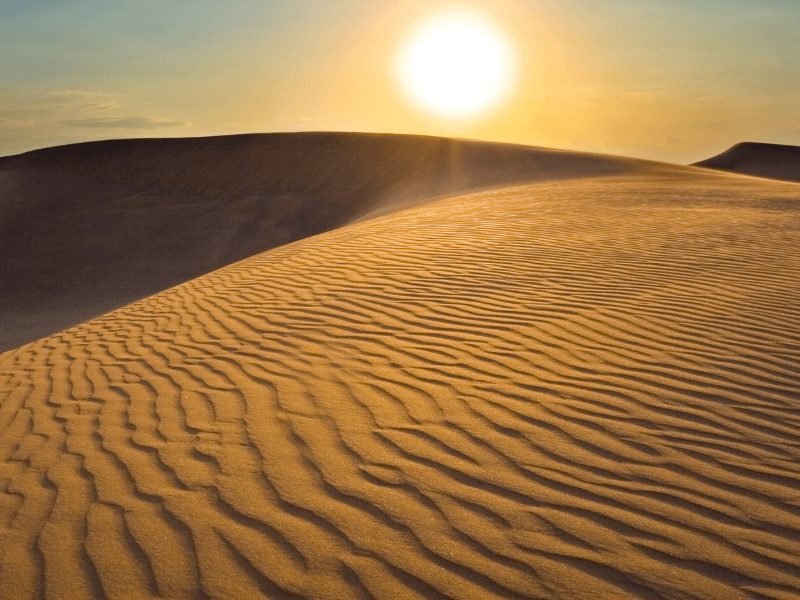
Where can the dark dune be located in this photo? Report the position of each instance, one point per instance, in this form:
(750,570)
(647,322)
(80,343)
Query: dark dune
(89,227)
(774,161)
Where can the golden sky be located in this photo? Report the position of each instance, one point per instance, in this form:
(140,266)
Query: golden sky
(673,80)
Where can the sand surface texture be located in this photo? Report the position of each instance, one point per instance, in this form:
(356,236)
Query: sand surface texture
(87,228)
(577,389)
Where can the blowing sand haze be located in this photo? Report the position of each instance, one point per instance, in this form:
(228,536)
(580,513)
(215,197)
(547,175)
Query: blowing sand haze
(308,364)
(173,209)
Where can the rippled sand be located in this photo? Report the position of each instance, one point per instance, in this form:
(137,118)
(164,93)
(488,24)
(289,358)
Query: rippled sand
(87,228)
(575,389)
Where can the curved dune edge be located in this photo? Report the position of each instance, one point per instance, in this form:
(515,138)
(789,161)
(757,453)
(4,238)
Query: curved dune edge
(772,161)
(90,227)
(583,389)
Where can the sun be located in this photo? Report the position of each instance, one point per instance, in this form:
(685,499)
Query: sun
(456,63)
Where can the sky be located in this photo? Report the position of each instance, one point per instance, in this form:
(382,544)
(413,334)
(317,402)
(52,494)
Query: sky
(672,80)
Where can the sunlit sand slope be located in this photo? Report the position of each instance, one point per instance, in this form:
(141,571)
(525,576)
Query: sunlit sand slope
(585,389)
(87,228)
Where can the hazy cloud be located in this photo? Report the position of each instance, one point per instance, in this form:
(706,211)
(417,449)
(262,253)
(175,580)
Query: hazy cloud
(15,122)
(82,94)
(123,123)
(101,106)
(25,113)
(83,100)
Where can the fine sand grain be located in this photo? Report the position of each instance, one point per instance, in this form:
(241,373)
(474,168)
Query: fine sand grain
(584,389)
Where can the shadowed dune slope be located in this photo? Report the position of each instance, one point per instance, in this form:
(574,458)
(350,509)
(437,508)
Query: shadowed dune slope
(89,227)
(774,161)
(575,390)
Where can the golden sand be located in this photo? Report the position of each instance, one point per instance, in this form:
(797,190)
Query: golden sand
(580,389)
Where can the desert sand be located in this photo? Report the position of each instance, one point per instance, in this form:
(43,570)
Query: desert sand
(774,161)
(87,228)
(575,389)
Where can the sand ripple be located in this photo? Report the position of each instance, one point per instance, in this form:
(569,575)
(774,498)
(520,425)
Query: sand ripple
(585,389)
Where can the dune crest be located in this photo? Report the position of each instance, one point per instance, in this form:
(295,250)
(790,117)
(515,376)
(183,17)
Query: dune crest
(773,161)
(87,228)
(581,389)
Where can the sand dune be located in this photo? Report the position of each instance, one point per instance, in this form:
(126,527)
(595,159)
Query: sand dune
(774,161)
(178,208)
(582,389)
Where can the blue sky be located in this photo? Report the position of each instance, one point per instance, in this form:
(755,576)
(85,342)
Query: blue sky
(665,79)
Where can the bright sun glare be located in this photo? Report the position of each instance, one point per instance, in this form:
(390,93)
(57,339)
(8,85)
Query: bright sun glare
(456,64)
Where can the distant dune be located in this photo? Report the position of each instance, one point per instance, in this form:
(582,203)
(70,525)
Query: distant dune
(583,389)
(774,161)
(89,227)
